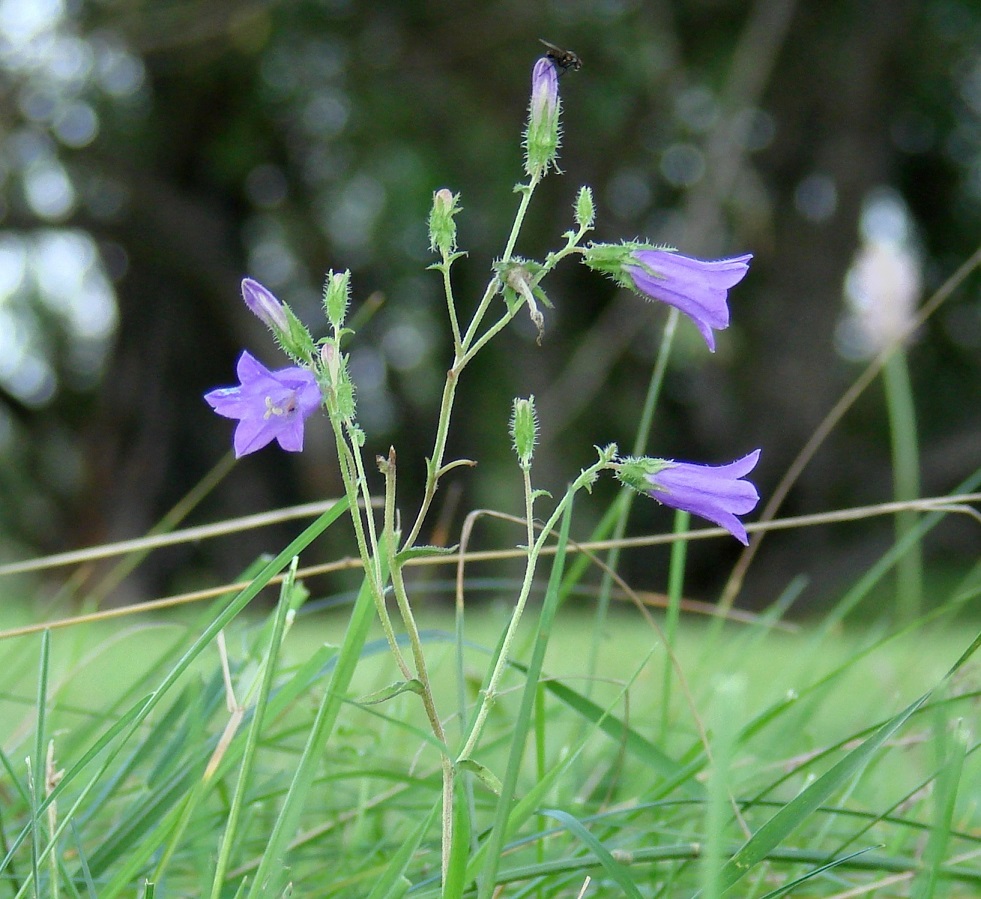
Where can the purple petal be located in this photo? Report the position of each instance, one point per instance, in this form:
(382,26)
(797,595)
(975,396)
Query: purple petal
(270,405)
(249,369)
(696,287)
(290,436)
(252,434)
(544,88)
(714,493)
(264,305)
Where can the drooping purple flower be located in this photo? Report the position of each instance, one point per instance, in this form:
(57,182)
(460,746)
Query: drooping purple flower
(696,287)
(269,405)
(717,493)
(264,306)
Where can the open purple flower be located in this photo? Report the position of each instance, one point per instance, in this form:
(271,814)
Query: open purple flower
(698,288)
(714,492)
(270,405)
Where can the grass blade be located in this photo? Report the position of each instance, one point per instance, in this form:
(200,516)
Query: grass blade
(772,833)
(612,867)
(392,883)
(522,725)
(271,871)
(252,739)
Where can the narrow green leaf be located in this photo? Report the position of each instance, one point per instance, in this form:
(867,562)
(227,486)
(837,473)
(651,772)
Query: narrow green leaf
(639,746)
(272,869)
(610,865)
(37,776)
(456,868)
(805,803)
(134,717)
(393,884)
(285,606)
(385,693)
(487,777)
(423,552)
(951,751)
(797,881)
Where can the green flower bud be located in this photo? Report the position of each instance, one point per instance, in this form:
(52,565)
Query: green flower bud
(524,430)
(585,211)
(442,227)
(337,297)
(297,341)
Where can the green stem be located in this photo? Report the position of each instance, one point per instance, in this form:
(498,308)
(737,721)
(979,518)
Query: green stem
(488,335)
(362,483)
(526,193)
(428,701)
(676,583)
(389,468)
(464,352)
(906,481)
(571,246)
(495,284)
(489,693)
(435,461)
(625,500)
(444,267)
(351,474)
(529,503)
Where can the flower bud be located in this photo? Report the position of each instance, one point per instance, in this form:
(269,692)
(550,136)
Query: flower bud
(334,363)
(442,227)
(289,331)
(542,135)
(265,306)
(337,296)
(330,359)
(524,429)
(584,208)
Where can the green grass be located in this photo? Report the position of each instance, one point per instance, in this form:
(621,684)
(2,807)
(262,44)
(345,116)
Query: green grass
(605,784)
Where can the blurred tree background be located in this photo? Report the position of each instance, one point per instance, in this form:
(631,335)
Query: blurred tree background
(155,151)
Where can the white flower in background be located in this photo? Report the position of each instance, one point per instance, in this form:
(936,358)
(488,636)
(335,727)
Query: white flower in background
(884,283)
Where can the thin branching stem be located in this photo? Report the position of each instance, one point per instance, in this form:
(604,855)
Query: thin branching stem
(348,463)
(464,350)
(489,694)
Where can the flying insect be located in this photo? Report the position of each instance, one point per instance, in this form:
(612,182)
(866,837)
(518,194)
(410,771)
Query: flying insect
(564,59)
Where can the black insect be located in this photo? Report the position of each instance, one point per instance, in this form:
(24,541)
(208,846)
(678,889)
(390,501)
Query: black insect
(564,59)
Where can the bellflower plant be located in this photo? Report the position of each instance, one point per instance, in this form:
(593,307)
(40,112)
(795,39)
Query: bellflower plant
(275,405)
(717,493)
(269,405)
(698,288)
